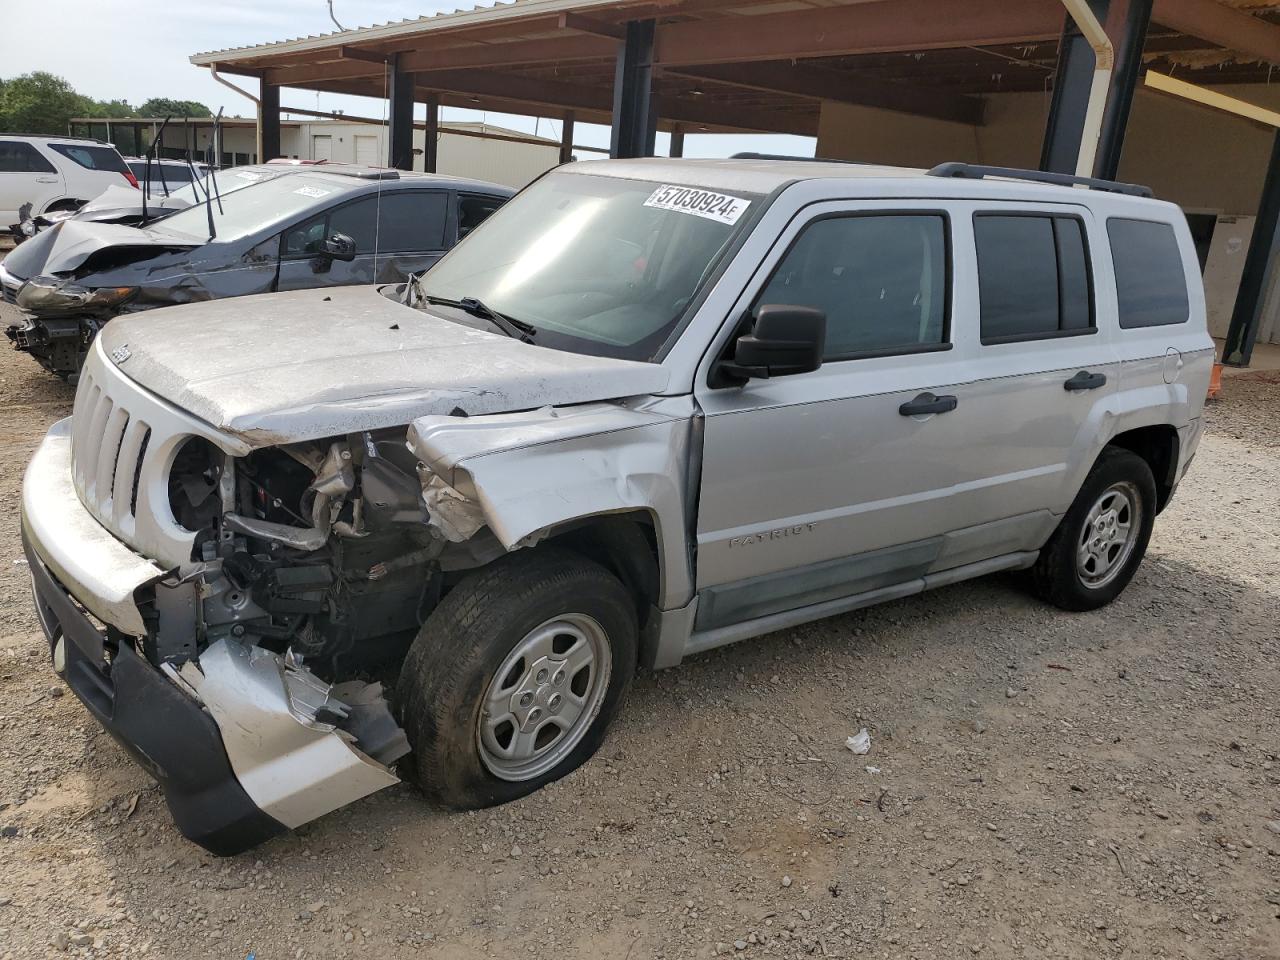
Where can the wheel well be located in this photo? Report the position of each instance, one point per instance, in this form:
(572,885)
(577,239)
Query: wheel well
(66,203)
(625,545)
(1158,445)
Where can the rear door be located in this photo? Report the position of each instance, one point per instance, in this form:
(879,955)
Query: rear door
(1045,355)
(25,177)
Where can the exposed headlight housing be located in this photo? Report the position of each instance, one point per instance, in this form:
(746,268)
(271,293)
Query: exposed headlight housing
(49,296)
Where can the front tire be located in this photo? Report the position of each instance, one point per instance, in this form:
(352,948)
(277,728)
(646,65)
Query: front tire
(514,678)
(1103,537)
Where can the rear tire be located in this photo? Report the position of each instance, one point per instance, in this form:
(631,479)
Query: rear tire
(514,678)
(1103,537)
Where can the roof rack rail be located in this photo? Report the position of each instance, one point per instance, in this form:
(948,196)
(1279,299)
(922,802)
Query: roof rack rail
(973,171)
(783,156)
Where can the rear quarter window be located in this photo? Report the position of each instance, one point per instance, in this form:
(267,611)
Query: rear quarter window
(1151,286)
(91,157)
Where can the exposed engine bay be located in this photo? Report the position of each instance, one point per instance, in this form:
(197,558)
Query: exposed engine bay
(321,550)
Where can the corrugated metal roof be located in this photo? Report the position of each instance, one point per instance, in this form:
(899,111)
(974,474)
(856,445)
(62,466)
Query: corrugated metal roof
(400,28)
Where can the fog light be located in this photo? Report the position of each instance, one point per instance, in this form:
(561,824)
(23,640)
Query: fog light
(60,656)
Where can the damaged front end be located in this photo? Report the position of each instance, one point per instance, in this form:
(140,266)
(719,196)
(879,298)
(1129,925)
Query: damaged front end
(72,278)
(245,674)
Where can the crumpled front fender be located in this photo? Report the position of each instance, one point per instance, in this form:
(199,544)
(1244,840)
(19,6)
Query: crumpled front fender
(522,475)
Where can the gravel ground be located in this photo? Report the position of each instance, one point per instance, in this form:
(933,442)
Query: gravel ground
(1040,784)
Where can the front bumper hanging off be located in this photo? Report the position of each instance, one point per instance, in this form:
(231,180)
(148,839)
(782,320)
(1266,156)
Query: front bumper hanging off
(244,743)
(158,724)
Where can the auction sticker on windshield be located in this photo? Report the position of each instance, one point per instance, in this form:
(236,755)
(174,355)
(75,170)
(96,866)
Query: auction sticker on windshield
(700,203)
(314,192)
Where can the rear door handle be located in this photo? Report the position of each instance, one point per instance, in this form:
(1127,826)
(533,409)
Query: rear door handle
(1084,380)
(927,403)
(46,179)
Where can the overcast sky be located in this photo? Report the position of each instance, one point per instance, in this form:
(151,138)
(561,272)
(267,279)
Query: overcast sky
(136,49)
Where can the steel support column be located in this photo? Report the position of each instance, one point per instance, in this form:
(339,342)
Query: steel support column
(431,136)
(268,122)
(677,141)
(1124,80)
(400,117)
(1060,148)
(1259,269)
(634,108)
(566,138)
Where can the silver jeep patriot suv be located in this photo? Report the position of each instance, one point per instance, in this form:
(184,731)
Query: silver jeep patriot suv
(648,408)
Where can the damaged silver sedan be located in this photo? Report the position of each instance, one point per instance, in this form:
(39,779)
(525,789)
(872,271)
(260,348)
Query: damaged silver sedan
(285,540)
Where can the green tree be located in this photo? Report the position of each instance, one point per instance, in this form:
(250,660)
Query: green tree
(39,102)
(111,109)
(165,107)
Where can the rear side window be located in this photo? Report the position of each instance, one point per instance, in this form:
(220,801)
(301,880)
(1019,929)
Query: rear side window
(92,157)
(473,210)
(17,156)
(1151,286)
(1033,277)
(881,280)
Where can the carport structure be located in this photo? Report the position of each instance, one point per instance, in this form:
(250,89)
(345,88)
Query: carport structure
(770,66)
(735,65)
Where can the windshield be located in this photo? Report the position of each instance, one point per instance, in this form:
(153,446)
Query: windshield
(243,210)
(597,265)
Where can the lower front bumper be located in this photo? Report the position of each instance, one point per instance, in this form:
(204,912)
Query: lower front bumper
(162,728)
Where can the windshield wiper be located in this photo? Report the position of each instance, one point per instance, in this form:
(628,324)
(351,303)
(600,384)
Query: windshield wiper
(477,308)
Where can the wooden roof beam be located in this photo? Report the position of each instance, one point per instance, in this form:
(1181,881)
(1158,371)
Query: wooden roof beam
(1222,25)
(820,84)
(368,56)
(560,95)
(590,25)
(902,25)
(553,50)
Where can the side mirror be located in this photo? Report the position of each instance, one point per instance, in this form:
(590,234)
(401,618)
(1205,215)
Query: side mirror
(785,340)
(338,246)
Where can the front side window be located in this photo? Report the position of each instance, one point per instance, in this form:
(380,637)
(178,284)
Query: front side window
(412,220)
(91,157)
(19,157)
(1033,277)
(395,223)
(1151,287)
(598,265)
(880,280)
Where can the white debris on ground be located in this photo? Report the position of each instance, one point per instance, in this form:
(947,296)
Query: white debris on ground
(859,743)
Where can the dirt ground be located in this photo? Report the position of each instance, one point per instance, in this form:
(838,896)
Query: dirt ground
(1040,784)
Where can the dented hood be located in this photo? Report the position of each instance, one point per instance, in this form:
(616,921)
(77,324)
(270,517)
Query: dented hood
(287,367)
(125,200)
(74,241)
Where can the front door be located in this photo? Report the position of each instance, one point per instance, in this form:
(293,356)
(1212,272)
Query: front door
(833,483)
(395,233)
(25,177)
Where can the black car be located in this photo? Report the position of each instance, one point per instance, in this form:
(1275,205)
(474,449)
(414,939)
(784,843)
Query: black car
(315,228)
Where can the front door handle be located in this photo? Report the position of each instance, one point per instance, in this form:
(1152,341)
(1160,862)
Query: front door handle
(1084,380)
(927,403)
(46,179)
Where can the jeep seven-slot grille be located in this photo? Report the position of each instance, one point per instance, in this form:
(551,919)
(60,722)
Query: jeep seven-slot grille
(108,445)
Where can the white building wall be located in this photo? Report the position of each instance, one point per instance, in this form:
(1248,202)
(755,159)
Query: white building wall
(1204,160)
(498,161)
